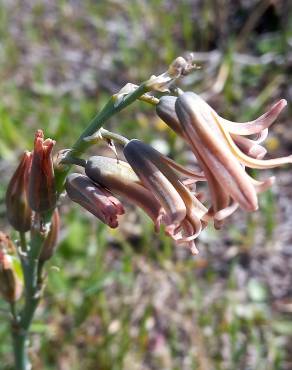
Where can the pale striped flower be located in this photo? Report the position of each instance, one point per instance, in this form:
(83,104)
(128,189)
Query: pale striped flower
(223,152)
(183,214)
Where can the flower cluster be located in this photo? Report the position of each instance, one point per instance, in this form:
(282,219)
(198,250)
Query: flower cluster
(31,192)
(165,190)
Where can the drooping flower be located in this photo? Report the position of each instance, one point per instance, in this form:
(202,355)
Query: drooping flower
(94,198)
(223,153)
(166,111)
(251,147)
(42,192)
(18,209)
(168,208)
(185,216)
(120,179)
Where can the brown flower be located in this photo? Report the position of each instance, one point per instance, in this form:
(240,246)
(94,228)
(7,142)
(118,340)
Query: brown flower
(222,152)
(18,209)
(94,198)
(182,213)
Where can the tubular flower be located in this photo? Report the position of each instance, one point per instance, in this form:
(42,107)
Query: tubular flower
(119,178)
(42,192)
(223,153)
(94,198)
(184,215)
(18,210)
(165,109)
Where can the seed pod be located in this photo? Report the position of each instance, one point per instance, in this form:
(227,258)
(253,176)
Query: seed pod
(18,209)
(51,240)
(42,192)
(95,199)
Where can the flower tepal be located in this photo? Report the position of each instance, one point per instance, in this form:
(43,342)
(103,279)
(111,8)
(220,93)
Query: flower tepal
(185,215)
(42,191)
(120,179)
(18,209)
(94,198)
(222,152)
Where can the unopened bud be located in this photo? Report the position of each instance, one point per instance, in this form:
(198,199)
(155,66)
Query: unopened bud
(51,240)
(42,191)
(11,279)
(18,209)
(166,111)
(95,199)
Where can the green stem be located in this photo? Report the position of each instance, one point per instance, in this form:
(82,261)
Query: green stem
(19,349)
(30,263)
(110,109)
(21,323)
(22,240)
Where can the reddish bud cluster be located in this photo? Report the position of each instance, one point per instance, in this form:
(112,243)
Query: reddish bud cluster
(32,188)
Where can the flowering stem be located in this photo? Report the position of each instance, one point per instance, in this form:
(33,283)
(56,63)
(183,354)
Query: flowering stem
(21,323)
(32,267)
(30,254)
(112,107)
(20,354)
(22,240)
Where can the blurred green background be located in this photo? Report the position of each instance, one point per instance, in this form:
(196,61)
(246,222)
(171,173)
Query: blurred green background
(127,298)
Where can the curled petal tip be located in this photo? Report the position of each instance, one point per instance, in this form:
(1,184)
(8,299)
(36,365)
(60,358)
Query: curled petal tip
(282,103)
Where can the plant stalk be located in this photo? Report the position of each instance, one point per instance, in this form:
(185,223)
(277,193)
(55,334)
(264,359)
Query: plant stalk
(110,109)
(30,261)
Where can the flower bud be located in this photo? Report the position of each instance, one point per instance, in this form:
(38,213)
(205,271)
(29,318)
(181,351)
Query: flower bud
(165,109)
(11,279)
(95,199)
(120,179)
(42,192)
(18,210)
(51,240)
